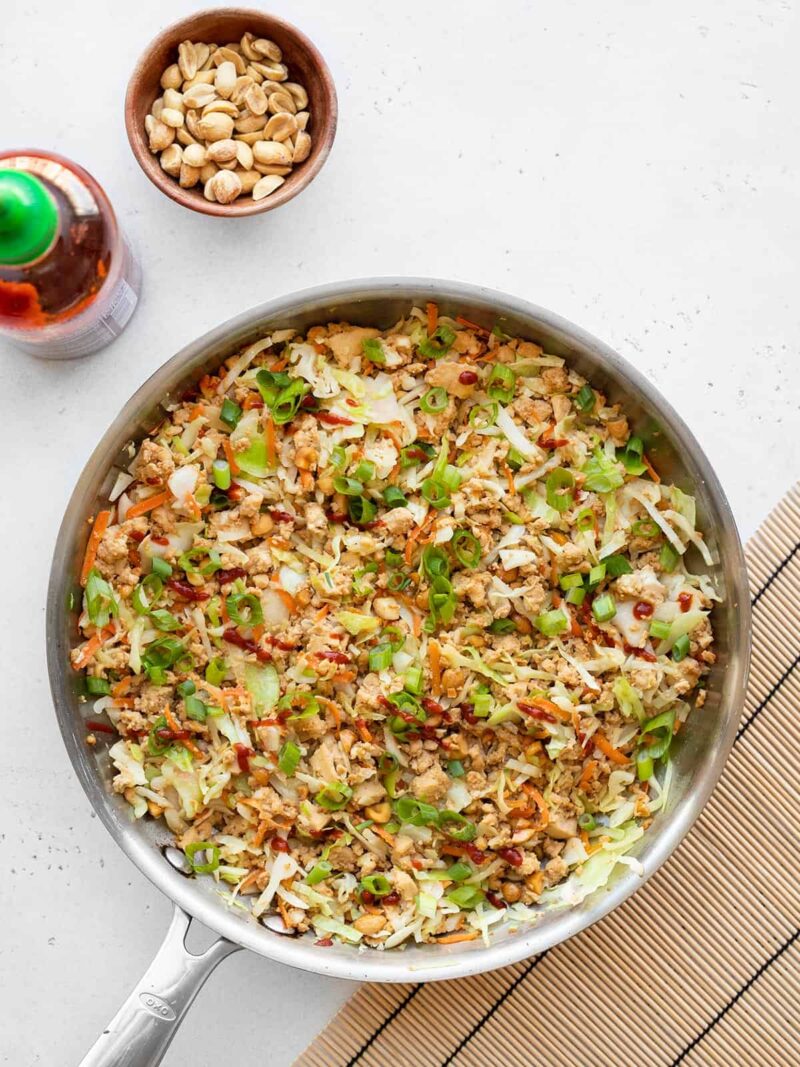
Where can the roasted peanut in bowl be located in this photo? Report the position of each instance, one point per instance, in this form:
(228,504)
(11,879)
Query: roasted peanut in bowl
(231,112)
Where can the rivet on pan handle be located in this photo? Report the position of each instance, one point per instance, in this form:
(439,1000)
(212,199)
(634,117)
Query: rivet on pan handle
(141,1031)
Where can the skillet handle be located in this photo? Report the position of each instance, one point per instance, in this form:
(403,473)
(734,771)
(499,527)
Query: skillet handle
(141,1031)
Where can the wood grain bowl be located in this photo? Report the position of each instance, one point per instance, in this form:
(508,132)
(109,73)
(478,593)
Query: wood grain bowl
(222,25)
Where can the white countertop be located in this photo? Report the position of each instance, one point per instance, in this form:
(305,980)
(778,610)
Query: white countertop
(631,166)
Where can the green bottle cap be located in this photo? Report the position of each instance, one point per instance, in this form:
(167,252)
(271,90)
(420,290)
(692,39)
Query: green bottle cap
(28,217)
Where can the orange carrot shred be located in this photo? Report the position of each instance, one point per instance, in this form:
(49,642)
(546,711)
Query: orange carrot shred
(433,318)
(608,749)
(651,469)
(480,330)
(228,449)
(121,687)
(586,777)
(88,650)
(510,479)
(95,537)
(150,504)
(453,939)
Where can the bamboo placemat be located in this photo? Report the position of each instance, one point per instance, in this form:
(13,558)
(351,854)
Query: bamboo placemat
(700,967)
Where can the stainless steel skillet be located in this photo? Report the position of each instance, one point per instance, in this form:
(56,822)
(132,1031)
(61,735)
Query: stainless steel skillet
(140,1033)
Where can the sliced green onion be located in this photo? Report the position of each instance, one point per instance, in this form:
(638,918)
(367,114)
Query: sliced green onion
(101,603)
(365,471)
(394,498)
(645,528)
(502,626)
(457,826)
(211,566)
(195,708)
(439,342)
(380,657)
(98,687)
(391,557)
(164,652)
(502,384)
(395,637)
(576,596)
(663,726)
(211,857)
(419,452)
(668,558)
(397,581)
(483,415)
(307,701)
(570,581)
(161,568)
(416,812)
(587,821)
(597,574)
(146,593)
(466,547)
(288,401)
(435,561)
(459,872)
(660,629)
(435,493)
(584,520)
(604,607)
(338,457)
(644,766)
(348,486)
(185,689)
(442,599)
(617,565)
(455,768)
(514,459)
(451,478)
(373,350)
(361,510)
(434,401)
(270,384)
(585,398)
(680,650)
(377,884)
(288,758)
(230,413)
(481,700)
(466,896)
(551,623)
(334,796)
(165,620)
(321,870)
(216,670)
(413,679)
(221,471)
(244,609)
(156,746)
(558,481)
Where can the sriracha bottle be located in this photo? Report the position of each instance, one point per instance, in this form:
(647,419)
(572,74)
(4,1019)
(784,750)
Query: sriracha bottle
(69,283)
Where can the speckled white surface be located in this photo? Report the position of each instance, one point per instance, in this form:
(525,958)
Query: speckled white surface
(632,166)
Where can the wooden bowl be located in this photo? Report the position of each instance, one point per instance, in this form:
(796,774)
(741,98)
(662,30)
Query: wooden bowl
(222,25)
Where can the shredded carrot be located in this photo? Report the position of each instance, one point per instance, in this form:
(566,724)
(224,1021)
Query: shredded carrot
(392,437)
(260,834)
(123,702)
(510,479)
(453,939)
(559,538)
(481,330)
(287,922)
(88,650)
(544,811)
(433,318)
(586,777)
(333,708)
(287,598)
(450,849)
(249,880)
(152,502)
(435,660)
(269,433)
(554,572)
(121,687)
(363,731)
(172,722)
(387,837)
(651,469)
(575,627)
(344,676)
(608,749)
(585,839)
(196,412)
(323,611)
(550,707)
(306,481)
(95,537)
(258,632)
(279,364)
(228,449)
(195,751)
(415,533)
